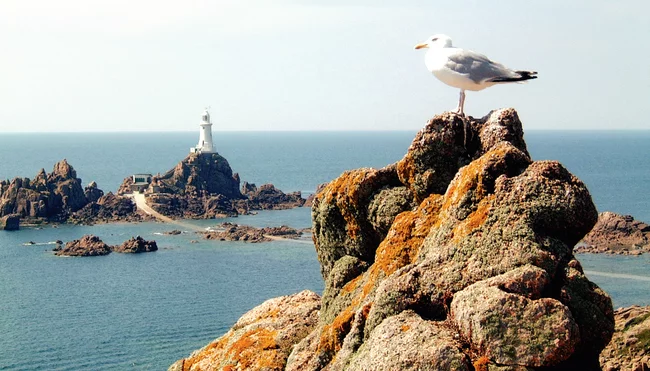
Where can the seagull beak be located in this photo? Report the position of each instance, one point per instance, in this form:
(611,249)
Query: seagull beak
(420,46)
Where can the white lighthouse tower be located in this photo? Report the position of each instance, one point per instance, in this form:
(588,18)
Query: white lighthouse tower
(205,135)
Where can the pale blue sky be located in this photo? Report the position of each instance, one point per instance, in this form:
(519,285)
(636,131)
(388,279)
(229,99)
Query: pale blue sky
(122,65)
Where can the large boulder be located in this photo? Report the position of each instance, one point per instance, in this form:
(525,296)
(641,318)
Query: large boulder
(88,245)
(459,256)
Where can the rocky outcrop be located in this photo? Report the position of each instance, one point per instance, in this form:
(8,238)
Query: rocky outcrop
(616,234)
(261,339)
(59,197)
(457,257)
(88,245)
(629,349)
(10,222)
(200,186)
(136,245)
(234,232)
(267,197)
(109,208)
(51,196)
(92,193)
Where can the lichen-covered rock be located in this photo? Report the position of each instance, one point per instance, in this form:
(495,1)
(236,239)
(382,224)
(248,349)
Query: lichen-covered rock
(340,216)
(459,256)
(261,339)
(88,245)
(513,324)
(136,245)
(617,234)
(629,349)
(407,342)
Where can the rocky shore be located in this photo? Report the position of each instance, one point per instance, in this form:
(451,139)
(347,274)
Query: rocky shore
(616,234)
(59,197)
(90,245)
(629,349)
(201,186)
(245,233)
(457,257)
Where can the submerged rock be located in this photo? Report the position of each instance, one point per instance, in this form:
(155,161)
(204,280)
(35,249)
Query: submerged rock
(88,245)
(457,257)
(617,234)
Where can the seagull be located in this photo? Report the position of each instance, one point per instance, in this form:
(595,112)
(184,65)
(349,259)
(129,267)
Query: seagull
(465,69)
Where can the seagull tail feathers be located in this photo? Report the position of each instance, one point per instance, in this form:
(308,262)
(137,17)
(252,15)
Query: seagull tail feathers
(523,76)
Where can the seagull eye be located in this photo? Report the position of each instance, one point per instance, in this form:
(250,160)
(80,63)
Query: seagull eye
(434,39)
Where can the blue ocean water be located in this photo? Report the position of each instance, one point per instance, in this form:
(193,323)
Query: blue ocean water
(142,312)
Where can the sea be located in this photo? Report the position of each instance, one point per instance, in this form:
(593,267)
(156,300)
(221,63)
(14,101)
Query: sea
(145,311)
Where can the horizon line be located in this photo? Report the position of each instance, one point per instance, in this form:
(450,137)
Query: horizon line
(294,131)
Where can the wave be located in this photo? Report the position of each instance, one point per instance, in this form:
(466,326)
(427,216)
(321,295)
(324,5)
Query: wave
(619,275)
(31,243)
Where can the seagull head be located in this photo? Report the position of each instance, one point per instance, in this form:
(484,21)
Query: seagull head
(436,41)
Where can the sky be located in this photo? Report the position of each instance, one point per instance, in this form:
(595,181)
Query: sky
(130,65)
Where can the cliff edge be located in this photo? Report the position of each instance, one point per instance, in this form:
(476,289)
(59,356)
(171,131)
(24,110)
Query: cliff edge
(457,257)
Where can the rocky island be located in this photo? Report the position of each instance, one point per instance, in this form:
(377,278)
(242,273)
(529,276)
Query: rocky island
(457,257)
(203,186)
(91,245)
(59,197)
(200,186)
(616,234)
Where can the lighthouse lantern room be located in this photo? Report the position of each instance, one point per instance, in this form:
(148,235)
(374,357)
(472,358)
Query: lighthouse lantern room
(205,135)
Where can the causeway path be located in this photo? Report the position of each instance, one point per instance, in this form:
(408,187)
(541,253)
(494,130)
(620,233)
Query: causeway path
(141,204)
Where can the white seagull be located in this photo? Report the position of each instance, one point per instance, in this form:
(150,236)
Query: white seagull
(465,69)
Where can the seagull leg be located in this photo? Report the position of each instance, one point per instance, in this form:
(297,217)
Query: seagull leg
(461,103)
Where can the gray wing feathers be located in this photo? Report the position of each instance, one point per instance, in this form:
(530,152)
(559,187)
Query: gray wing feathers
(478,67)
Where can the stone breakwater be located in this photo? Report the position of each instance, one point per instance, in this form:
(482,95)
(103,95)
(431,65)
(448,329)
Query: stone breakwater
(457,257)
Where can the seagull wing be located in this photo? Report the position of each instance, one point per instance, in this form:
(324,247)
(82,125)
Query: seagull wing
(478,67)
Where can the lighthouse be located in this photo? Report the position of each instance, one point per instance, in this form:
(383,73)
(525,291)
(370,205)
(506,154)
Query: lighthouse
(205,135)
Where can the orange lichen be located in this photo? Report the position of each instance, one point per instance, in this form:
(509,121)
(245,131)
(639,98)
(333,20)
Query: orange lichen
(406,235)
(257,349)
(481,364)
(474,220)
(352,285)
(344,192)
(333,334)
(398,249)
(405,328)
